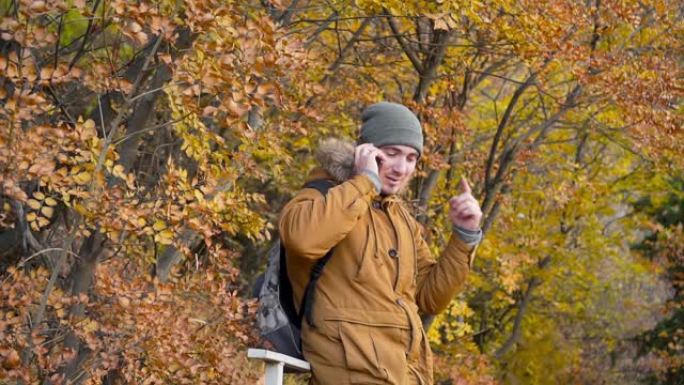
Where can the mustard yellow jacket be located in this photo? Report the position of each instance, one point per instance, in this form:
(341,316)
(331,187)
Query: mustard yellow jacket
(367,327)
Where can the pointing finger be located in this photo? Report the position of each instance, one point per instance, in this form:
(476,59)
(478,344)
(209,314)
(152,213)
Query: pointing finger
(464,186)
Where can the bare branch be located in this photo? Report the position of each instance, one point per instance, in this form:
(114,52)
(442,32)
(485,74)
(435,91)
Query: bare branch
(502,125)
(532,284)
(127,103)
(89,29)
(284,18)
(410,53)
(333,67)
(431,63)
(321,28)
(425,193)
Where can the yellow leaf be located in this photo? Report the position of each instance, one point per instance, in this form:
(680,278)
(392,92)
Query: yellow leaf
(42,222)
(89,124)
(90,326)
(31,217)
(39,195)
(118,171)
(50,201)
(165,237)
(82,177)
(159,225)
(80,209)
(34,204)
(141,222)
(89,131)
(47,211)
(114,235)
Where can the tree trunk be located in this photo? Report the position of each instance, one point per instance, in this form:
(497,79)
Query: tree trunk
(81,279)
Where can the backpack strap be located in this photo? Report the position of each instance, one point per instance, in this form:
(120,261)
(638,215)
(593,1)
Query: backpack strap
(306,307)
(285,289)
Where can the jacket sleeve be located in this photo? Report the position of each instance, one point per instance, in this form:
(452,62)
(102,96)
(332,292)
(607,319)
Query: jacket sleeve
(438,281)
(311,224)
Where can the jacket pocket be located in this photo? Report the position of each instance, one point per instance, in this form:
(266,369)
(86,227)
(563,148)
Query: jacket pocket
(373,355)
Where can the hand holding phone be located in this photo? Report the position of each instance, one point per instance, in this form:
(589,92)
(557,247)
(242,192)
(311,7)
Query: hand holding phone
(368,157)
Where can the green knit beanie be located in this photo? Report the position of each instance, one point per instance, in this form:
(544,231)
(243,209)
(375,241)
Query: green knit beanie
(387,123)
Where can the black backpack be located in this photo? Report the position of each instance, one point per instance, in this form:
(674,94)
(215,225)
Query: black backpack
(278,321)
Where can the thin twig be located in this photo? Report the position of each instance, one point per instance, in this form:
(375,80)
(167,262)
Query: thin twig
(136,97)
(127,103)
(60,104)
(80,51)
(24,261)
(102,124)
(404,45)
(151,128)
(320,29)
(59,38)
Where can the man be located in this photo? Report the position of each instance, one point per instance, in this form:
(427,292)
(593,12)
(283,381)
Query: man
(365,323)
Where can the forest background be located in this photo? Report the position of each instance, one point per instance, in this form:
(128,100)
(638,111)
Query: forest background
(146,148)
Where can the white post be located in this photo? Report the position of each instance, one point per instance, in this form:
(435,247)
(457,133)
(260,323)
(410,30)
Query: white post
(274,373)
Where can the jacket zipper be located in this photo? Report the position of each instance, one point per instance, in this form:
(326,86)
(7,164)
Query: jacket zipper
(400,302)
(396,248)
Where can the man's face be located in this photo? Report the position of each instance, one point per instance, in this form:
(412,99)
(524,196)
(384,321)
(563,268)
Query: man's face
(396,170)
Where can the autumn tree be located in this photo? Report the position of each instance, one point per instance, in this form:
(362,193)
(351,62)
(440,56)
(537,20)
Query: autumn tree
(131,145)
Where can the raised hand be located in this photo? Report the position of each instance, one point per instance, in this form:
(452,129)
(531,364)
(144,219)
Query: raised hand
(464,209)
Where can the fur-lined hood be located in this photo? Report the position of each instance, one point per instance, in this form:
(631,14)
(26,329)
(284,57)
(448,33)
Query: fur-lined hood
(336,157)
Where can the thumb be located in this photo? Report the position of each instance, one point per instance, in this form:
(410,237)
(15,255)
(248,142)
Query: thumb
(464,186)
